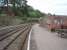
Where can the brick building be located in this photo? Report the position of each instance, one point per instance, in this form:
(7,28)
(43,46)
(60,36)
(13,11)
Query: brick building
(56,21)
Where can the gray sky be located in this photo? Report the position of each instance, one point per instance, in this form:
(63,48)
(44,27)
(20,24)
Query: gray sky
(58,7)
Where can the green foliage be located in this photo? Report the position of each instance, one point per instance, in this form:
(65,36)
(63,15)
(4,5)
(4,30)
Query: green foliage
(20,8)
(35,13)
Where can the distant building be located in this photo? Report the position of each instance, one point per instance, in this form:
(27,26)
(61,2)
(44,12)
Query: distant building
(55,21)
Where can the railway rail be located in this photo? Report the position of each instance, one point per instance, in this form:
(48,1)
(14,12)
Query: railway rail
(14,37)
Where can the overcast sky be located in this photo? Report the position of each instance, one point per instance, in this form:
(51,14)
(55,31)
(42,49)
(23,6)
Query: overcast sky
(58,7)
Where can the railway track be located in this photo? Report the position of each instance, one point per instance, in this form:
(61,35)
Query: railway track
(13,38)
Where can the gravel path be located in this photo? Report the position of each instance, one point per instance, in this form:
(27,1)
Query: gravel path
(42,39)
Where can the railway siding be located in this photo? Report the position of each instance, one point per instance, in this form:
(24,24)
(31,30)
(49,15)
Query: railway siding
(15,40)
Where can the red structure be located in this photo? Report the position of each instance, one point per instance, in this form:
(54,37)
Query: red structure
(56,22)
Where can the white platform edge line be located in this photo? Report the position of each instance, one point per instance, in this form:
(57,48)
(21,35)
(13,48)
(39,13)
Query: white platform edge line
(29,38)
